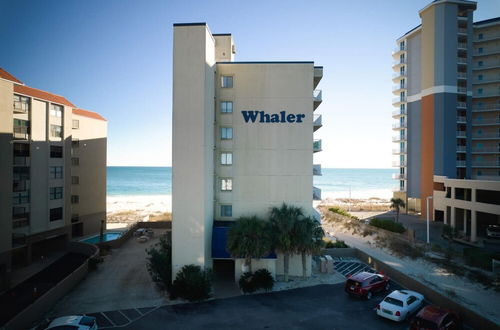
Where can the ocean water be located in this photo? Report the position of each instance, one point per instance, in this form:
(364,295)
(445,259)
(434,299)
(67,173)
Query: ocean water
(334,183)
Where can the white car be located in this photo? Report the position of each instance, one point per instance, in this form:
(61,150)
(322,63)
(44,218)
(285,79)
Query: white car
(493,231)
(399,304)
(76,322)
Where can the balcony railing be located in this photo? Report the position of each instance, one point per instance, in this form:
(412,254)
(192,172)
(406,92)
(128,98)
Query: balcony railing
(317,169)
(461,75)
(462,31)
(317,95)
(21,132)
(399,176)
(398,87)
(462,90)
(461,105)
(486,121)
(396,151)
(21,161)
(488,135)
(21,107)
(486,150)
(396,126)
(398,138)
(487,38)
(486,163)
(461,148)
(461,134)
(20,220)
(489,94)
(461,119)
(399,112)
(399,62)
(20,185)
(399,49)
(462,60)
(399,163)
(399,189)
(317,122)
(316,194)
(460,163)
(20,198)
(317,145)
(398,75)
(462,45)
(485,107)
(398,99)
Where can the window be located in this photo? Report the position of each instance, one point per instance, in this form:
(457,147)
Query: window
(75,180)
(480,77)
(480,36)
(56,172)
(56,193)
(56,110)
(480,63)
(21,198)
(480,50)
(21,126)
(75,161)
(75,143)
(75,217)
(226,158)
(226,107)
(21,103)
(75,199)
(55,131)
(226,210)
(76,124)
(479,91)
(226,184)
(56,151)
(56,214)
(226,133)
(21,173)
(410,300)
(227,82)
(21,150)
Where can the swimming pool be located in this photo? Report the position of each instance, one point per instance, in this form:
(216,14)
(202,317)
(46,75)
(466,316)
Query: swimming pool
(108,236)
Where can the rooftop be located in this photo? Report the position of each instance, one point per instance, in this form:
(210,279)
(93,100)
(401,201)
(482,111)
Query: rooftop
(7,76)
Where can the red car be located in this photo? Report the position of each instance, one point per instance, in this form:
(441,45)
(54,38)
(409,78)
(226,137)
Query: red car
(365,284)
(435,318)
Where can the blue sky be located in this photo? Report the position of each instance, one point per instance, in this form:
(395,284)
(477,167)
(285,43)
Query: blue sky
(115,57)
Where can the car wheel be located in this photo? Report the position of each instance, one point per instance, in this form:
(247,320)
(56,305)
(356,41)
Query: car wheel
(369,295)
(387,287)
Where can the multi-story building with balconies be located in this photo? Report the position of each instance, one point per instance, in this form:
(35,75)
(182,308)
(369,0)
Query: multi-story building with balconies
(52,173)
(447,82)
(242,143)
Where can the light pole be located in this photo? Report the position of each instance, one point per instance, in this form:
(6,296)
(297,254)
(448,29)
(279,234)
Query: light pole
(427,200)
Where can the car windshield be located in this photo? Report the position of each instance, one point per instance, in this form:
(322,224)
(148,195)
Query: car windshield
(393,301)
(424,324)
(495,229)
(87,320)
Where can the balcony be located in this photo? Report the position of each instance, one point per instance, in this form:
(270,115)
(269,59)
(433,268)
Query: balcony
(461,75)
(490,51)
(462,60)
(398,100)
(462,90)
(399,113)
(20,185)
(460,163)
(461,148)
(21,160)
(317,97)
(486,122)
(399,176)
(318,75)
(19,198)
(462,45)
(461,105)
(398,189)
(462,119)
(399,163)
(398,75)
(461,134)
(486,81)
(317,169)
(486,163)
(486,67)
(486,136)
(21,107)
(485,107)
(488,38)
(20,220)
(397,63)
(317,146)
(462,31)
(21,132)
(399,151)
(396,89)
(399,49)
(486,150)
(398,138)
(316,194)
(398,126)
(317,124)
(489,94)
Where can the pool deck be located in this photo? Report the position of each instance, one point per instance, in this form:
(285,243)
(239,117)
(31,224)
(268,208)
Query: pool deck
(120,282)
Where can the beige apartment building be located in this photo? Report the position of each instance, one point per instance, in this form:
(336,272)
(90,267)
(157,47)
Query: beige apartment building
(52,173)
(243,142)
(447,117)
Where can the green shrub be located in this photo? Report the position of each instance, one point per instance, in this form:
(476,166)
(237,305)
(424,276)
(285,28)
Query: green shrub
(387,224)
(159,263)
(263,279)
(192,283)
(343,212)
(247,283)
(329,244)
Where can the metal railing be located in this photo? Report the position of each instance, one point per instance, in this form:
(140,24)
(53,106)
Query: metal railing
(399,49)
(398,86)
(399,112)
(21,161)
(462,31)
(460,163)
(461,134)
(462,90)
(396,151)
(399,176)
(317,169)
(317,145)
(398,125)
(21,132)
(485,163)
(398,138)
(461,119)
(20,220)
(398,74)
(462,45)
(461,75)
(21,107)
(486,121)
(486,150)
(461,105)
(489,94)
(492,135)
(485,107)
(462,60)
(398,99)
(461,148)
(317,95)
(399,61)
(399,163)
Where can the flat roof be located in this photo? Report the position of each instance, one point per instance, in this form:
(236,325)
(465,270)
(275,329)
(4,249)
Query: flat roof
(221,34)
(190,24)
(269,62)
(487,21)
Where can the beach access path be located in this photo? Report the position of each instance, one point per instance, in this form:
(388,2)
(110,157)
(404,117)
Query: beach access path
(470,294)
(120,282)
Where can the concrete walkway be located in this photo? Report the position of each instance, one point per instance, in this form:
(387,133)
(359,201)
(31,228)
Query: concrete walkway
(120,282)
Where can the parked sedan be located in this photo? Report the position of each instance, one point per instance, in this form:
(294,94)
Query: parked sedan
(435,318)
(76,322)
(400,304)
(365,284)
(493,231)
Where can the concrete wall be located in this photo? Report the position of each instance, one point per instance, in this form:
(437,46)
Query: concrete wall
(269,264)
(294,265)
(414,148)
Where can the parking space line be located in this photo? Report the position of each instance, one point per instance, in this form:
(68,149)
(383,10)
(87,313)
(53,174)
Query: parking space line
(107,318)
(125,316)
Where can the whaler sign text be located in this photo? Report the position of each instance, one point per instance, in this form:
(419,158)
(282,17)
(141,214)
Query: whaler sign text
(262,117)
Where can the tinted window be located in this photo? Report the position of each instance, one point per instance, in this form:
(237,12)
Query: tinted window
(411,300)
(56,151)
(87,320)
(394,301)
(425,324)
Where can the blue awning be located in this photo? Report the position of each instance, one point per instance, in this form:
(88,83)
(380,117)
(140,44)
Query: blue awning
(219,242)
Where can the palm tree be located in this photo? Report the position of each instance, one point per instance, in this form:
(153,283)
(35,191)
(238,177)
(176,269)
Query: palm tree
(248,238)
(282,227)
(397,203)
(309,238)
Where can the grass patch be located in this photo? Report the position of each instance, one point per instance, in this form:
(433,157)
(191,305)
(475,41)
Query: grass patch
(404,249)
(343,212)
(388,224)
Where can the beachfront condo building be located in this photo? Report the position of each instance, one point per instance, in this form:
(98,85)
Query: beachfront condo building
(52,173)
(447,129)
(243,142)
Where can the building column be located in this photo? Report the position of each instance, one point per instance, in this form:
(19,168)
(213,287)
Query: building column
(452,218)
(465,222)
(473,226)
(445,219)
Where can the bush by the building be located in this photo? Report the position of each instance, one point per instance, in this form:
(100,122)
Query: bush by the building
(387,224)
(159,263)
(192,283)
(251,282)
(338,244)
(480,258)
